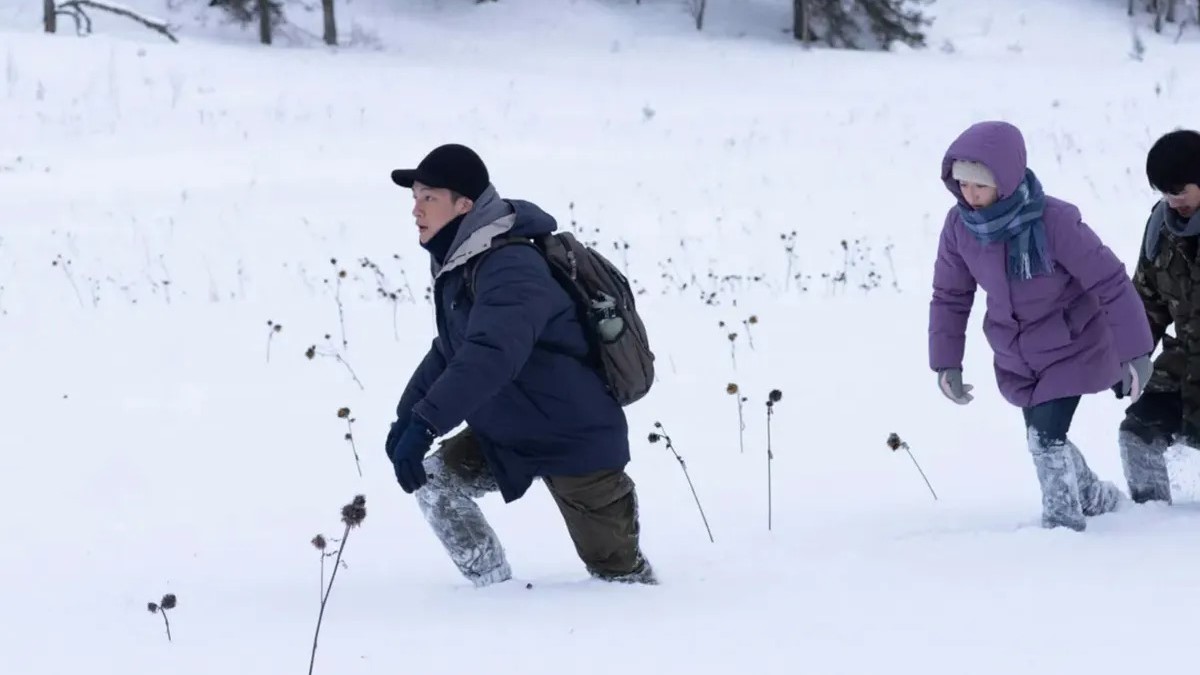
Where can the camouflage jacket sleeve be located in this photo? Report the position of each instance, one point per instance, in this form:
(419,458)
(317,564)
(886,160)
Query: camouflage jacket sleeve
(1158,313)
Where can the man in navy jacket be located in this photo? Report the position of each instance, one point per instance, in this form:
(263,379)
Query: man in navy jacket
(509,359)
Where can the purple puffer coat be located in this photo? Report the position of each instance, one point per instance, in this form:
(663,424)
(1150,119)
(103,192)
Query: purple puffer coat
(1065,334)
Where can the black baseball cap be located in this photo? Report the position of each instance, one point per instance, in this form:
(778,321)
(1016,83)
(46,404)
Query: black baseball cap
(452,166)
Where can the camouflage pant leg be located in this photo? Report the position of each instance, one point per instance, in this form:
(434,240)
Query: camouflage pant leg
(601,513)
(458,475)
(1147,431)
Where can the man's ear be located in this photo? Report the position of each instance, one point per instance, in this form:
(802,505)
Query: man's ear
(463,205)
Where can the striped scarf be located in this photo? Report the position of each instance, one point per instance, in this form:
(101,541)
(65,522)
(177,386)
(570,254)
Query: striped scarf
(1017,220)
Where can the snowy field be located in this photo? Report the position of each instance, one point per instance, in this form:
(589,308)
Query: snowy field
(160,204)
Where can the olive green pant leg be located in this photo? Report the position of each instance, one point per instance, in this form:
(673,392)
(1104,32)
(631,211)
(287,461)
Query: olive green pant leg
(601,514)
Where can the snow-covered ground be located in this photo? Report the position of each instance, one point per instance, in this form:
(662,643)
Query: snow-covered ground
(160,203)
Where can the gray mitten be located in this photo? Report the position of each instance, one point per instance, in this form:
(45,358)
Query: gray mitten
(951,385)
(1135,375)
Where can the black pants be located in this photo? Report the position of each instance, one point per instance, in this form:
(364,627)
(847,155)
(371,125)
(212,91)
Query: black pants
(1157,416)
(1052,419)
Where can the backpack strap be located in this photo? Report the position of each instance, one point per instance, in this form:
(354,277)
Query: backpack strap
(499,242)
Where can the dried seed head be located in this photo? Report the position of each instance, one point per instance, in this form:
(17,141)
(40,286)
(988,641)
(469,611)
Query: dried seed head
(775,395)
(355,512)
(278,327)
(342,274)
(343,413)
(152,607)
(168,601)
(349,436)
(753,319)
(893,441)
(310,352)
(654,438)
(732,337)
(658,425)
(319,542)
(731,388)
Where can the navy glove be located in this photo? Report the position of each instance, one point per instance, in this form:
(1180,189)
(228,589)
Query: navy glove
(398,428)
(408,454)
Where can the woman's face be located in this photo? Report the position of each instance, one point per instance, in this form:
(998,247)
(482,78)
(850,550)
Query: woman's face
(978,196)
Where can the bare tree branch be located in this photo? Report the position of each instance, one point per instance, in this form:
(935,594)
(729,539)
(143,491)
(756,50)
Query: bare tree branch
(153,24)
(83,22)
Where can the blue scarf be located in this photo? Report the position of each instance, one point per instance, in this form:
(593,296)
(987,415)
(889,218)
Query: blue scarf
(1164,217)
(1017,219)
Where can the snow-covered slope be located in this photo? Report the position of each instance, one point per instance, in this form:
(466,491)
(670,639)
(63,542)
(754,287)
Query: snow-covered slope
(159,204)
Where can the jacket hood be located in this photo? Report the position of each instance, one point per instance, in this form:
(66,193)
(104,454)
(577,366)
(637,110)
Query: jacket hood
(492,217)
(997,145)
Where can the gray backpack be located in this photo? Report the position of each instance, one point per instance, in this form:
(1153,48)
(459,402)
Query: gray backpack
(618,347)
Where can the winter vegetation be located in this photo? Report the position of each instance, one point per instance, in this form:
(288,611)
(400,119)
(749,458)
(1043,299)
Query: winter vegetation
(765,172)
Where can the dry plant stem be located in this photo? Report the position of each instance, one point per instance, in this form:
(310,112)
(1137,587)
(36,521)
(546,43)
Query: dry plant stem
(920,470)
(892,266)
(167,622)
(353,448)
(342,361)
(74,286)
(270,336)
(341,311)
(350,370)
(696,497)
(325,598)
(686,475)
(741,427)
(770,456)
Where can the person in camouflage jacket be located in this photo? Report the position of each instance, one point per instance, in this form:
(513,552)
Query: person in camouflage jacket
(1167,278)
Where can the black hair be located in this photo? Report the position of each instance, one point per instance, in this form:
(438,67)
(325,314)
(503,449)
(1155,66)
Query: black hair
(1174,161)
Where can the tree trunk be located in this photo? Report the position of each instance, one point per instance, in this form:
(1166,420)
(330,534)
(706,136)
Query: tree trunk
(50,16)
(1171,10)
(800,21)
(330,23)
(1158,16)
(264,21)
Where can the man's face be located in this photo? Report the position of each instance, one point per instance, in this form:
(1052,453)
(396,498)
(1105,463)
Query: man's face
(433,208)
(1186,202)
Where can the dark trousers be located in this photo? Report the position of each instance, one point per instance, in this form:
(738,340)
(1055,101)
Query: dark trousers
(1151,425)
(1157,417)
(1052,419)
(1071,491)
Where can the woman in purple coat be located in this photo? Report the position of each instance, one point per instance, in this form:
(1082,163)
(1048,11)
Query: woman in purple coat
(1063,318)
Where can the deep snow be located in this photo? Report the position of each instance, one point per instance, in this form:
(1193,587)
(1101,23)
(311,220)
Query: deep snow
(191,193)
